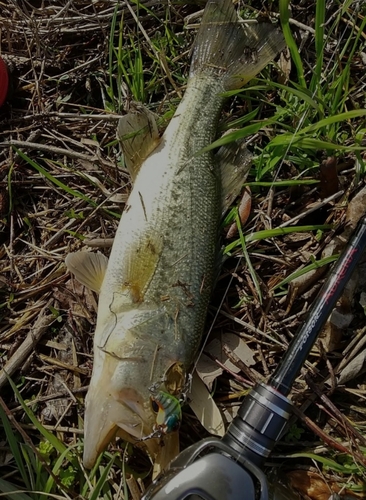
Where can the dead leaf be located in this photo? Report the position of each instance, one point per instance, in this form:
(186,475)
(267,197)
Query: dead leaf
(356,209)
(230,413)
(236,344)
(205,408)
(244,209)
(314,486)
(208,370)
(355,367)
(332,332)
(329,183)
(285,66)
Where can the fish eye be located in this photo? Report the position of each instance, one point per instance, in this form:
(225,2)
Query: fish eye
(154,406)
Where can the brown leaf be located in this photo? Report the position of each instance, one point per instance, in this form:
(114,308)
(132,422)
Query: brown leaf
(354,368)
(284,65)
(314,486)
(244,212)
(208,370)
(328,177)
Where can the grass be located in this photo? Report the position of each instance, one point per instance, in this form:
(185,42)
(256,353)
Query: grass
(72,80)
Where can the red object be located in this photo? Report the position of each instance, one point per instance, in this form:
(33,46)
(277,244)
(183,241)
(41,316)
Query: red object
(4,82)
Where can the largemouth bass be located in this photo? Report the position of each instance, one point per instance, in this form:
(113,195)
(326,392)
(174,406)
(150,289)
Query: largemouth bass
(156,286)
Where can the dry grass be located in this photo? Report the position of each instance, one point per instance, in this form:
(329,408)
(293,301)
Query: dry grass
(60,187)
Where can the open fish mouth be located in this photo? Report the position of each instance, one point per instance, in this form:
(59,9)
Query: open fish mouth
(109,418)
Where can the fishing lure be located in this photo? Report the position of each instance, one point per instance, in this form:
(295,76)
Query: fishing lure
(168,412)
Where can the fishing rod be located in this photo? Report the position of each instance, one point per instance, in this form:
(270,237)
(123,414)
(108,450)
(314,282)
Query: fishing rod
(230,468)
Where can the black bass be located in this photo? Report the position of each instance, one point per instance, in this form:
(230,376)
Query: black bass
(156,286)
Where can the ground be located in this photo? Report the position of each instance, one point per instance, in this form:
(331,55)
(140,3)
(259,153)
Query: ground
(74,68)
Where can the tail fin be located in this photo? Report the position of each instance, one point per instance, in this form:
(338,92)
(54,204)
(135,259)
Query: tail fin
(226,49)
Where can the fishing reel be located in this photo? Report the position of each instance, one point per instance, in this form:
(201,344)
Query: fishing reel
(215,469)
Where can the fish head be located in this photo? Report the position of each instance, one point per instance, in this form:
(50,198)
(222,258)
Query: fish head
(111,411)
(123,400)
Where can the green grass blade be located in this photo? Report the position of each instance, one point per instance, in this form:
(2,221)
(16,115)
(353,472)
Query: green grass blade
(57,466)
(294,182)
(101,481)
(285,18)
(327,462)
(325,122)
(234,136)
(56,443)
(13,493)
(319,46)
(13,442)
(239,122)
(311,144)
(60,184)
(273,233)
(299,140)
(311,267)
(302,93)
(54,181)
(253,274)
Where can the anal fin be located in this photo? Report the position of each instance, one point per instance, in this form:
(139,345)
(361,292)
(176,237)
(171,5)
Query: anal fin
(234,161)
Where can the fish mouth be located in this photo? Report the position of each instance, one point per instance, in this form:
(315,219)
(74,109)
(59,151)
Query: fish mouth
(107,417)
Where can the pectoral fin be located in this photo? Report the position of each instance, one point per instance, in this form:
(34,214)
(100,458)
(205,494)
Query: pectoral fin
(234,160)
(88,268)
(138,135)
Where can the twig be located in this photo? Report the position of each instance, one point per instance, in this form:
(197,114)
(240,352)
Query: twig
(47,148)
(237,377)
(312,209)
(253,375)
(133,487)
(21,354)
(60,364)
(69,430)
(326,401)
(250,327)
(99,242)
(325,437)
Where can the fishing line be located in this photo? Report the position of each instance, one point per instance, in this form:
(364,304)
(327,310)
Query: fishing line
(215,317)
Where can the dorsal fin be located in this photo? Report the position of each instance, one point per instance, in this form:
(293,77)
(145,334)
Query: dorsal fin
(138,135)
(234,160)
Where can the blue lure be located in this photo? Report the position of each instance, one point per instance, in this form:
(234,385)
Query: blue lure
(168,412)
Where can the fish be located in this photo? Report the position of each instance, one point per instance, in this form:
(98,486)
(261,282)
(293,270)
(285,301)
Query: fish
(154,289)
